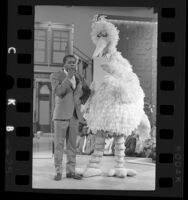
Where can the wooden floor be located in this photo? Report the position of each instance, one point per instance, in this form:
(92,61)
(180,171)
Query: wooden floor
(43,173)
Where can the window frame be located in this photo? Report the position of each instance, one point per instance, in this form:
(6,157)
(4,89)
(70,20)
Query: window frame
(46,45)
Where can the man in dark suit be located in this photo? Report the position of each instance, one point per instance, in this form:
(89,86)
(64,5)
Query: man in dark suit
(85,144)
(70,91)
(130,145)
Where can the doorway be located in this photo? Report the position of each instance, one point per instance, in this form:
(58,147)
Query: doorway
(44,107)
(43,136)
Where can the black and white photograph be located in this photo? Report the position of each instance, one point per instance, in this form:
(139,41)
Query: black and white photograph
(94,98)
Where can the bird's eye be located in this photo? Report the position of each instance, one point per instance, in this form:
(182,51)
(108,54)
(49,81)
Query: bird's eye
(105,35)
(99,35)
(102,35)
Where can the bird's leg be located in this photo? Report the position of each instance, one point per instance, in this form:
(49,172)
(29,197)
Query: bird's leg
(119,169)
(93,168)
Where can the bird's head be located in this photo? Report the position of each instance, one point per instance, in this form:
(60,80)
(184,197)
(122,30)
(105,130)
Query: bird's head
(104,35)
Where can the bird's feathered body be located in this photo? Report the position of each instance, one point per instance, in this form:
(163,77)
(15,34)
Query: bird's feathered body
(117,105)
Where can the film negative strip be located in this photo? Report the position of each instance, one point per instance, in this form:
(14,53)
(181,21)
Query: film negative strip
(170,96)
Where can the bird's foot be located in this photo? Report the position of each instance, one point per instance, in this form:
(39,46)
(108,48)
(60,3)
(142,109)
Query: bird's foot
(89,172)
(121,172)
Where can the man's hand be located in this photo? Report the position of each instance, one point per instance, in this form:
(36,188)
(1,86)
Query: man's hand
(67,83)
(70,74)
(71,70)
(76,74)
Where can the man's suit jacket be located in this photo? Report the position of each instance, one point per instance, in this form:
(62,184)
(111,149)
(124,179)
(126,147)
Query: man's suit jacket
(67,99)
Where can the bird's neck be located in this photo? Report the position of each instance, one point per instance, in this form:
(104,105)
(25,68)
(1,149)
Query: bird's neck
(108,52)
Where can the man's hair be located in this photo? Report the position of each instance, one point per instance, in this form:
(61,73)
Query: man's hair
(69,56)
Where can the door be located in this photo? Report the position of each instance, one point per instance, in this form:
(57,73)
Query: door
(44,114)
(43,137)
(44,108)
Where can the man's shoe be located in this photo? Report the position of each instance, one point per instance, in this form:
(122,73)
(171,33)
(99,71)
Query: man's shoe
(58,177)
(74,176)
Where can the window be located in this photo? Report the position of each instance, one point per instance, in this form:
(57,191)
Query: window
(40,46)
(60,40)
(52,41)
(44,90)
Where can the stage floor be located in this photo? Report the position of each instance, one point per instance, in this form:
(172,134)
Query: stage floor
(43,174)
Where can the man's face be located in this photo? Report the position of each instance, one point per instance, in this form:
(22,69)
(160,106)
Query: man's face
(70,64)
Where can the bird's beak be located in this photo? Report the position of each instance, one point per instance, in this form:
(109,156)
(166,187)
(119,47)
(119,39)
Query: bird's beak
(99,48)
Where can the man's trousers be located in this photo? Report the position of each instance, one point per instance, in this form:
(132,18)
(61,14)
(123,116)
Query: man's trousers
(65,130)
